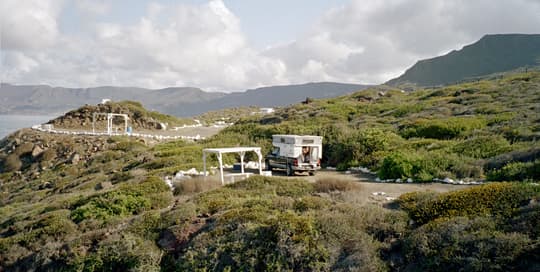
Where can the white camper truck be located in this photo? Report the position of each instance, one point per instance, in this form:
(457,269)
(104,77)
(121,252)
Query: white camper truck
(300,153)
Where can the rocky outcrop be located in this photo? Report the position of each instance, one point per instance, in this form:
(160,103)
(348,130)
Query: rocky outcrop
(31,151)
(139,118)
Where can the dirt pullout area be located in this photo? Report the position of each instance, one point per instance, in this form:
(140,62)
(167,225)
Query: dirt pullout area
(376,192)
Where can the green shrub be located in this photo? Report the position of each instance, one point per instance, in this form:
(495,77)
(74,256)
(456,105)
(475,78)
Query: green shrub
(285,242)
(448,128)
(407,109)
(500,200)
(424,166)
(483,147)
(147,225)
(278,186)
(130,145)
(327,185)
(310,203)
(461,244)
(397,165)
(354,235)
(195,185)
(128,199)
(121,253)
(526,221)
(179,214)
(12,163)
(516,171)
(121,177)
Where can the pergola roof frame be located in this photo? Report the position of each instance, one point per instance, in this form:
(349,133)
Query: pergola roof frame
(240,150)
(110,117)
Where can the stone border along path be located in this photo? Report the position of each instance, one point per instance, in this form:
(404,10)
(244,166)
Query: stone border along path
(154,136)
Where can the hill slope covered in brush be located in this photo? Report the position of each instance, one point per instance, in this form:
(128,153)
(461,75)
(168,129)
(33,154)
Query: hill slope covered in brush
(108,209)
(491,54)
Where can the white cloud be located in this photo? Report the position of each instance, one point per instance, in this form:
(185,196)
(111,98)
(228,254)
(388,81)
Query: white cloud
(204,45)
(200,45)
(27,25)
(372,41)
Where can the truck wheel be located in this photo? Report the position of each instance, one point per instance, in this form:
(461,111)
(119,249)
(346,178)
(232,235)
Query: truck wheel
(268,167)
(312,173)
(290,171)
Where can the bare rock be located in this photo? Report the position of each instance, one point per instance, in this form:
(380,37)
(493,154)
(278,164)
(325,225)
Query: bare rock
(75,158)
(104,185)
(36,151)
(168,240)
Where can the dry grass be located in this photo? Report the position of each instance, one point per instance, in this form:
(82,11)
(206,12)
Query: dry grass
(195,185)
(328,184)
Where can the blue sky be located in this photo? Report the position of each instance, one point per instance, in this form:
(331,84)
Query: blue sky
(233,45)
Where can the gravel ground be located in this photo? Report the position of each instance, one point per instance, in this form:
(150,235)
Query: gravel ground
(375,192)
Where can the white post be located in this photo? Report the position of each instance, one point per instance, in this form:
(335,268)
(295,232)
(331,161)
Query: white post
(220,160)
(204,163)
(125,124)
(109,124)
(258,151)
(242,154)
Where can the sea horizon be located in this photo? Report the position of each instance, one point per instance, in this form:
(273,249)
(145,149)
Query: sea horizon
(10,123)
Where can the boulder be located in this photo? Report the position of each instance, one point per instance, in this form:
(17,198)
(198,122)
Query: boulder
(36,151)
(75,158)
(104,185)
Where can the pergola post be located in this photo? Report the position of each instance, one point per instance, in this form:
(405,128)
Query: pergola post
(204,163)
(220,160)
(109,124)
(242,154)
(240,150)
(258,151)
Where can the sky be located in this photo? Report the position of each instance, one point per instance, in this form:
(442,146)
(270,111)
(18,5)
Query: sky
(234,45)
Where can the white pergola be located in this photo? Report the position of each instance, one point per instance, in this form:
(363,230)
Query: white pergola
(240,150)
(110,117)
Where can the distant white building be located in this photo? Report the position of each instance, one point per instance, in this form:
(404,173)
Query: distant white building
(267,110)
(105,101)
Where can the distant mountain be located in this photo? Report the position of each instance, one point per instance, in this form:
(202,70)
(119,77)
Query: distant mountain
(274,96)
(491,54)
(43,99)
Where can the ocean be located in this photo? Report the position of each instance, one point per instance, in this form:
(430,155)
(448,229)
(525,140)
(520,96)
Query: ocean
(12,123)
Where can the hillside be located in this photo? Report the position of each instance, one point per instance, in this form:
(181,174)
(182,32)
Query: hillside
(42,99)
(491,54)
(460,131)
(80,203)
(139,117)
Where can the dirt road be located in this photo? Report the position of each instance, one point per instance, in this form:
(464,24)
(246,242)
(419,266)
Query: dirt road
(376,192)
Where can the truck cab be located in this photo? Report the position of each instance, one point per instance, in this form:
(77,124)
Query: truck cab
(295,153)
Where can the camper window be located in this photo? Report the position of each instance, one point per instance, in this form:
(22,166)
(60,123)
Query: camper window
(305,153)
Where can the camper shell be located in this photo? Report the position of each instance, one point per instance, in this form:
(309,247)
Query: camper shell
(292,153)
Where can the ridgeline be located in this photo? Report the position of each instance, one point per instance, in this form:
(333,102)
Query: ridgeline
(491,54)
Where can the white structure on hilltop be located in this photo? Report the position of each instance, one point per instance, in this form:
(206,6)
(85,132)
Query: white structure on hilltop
(267,110)
(105,101)
(110,117)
